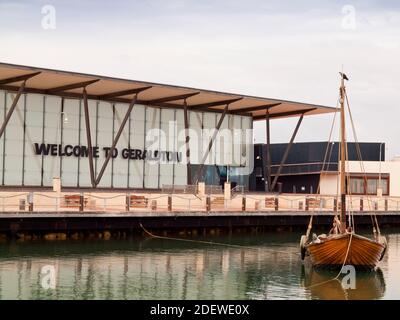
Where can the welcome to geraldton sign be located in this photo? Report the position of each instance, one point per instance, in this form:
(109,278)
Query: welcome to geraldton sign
(49,149)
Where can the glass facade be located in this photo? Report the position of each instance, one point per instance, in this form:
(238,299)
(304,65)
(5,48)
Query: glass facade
(45,134)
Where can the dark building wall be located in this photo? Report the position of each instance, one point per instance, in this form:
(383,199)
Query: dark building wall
(307,183)
(304,183)
(308,152)
(304,163)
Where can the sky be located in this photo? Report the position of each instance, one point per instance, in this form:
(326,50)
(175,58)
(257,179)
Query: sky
(290,50)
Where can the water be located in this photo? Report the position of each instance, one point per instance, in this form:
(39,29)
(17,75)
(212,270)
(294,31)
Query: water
(267,267)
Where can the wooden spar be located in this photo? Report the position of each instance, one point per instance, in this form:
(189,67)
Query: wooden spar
(342,158)
(24,78)
(72,86)
(287,150)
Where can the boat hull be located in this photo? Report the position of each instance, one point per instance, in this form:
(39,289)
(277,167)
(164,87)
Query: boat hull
(349,249)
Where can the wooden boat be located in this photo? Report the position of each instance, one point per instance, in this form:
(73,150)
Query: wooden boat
(350,248)
(342,246)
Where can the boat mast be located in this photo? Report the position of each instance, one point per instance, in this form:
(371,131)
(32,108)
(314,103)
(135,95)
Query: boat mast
(342,156)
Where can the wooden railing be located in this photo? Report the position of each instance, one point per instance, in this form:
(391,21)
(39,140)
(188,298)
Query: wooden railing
(181,202)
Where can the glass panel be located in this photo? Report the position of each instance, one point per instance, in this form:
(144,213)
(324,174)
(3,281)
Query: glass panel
(372,185)
(357,185)
(384,185)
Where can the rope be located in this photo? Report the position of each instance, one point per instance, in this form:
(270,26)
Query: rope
(374,219)
(212,243)
(309,227)
(247,247)
(348,191)
(14,196)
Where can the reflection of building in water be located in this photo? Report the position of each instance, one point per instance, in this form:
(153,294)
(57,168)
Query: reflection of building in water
(182,274)
(225,262)
(199,266)
(393,263)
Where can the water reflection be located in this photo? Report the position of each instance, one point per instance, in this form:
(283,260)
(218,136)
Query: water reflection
(321,284)
(267,267)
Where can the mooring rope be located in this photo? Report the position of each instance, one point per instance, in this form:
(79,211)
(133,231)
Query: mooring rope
(247,247)
(213,243)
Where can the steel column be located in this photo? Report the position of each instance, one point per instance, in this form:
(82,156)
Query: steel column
(116,138)
(112,150)
(89,138)
(187,138)
(61,133)
(12,108)
(129,146)
(267,152)
(43,135)
(23,145)
(144,146)
(159,148)
(210,144)
(285,155)
(79,142)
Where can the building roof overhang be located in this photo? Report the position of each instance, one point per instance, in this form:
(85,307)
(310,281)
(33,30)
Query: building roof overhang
(71,84)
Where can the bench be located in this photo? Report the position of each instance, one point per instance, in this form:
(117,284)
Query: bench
(312,203)
(218,200)
(74,201)
(138,201)
(271,203)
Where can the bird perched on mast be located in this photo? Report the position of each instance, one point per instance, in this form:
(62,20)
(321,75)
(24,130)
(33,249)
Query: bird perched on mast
(344,76)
